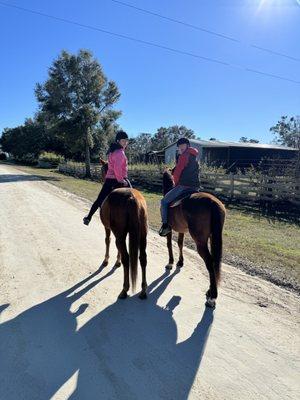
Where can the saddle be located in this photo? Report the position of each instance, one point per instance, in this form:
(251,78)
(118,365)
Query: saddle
(183,196)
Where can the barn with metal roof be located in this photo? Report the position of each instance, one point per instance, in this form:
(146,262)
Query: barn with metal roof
(234,154)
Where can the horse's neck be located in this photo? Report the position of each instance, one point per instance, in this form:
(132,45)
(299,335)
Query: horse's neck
(167,183)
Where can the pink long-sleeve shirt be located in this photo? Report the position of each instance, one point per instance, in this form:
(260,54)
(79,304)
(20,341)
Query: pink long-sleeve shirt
(117,165)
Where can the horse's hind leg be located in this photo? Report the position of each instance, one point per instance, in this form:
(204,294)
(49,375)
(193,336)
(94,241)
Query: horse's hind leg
(118,262)
(170,250)
(143,262)
(107,244)
(121,246)
(212,292)
(180,246)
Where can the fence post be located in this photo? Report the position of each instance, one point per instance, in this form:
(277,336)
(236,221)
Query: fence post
(231,185)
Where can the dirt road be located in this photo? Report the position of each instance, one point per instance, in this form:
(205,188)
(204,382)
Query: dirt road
(63,334)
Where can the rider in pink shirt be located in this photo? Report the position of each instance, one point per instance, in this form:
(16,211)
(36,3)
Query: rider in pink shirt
(116,175)
(117,165)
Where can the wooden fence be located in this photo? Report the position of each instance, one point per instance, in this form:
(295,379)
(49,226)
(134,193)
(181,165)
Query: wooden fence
(78,170)
(254,187)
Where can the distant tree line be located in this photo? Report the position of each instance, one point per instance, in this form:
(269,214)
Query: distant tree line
(244,139)
(146,142)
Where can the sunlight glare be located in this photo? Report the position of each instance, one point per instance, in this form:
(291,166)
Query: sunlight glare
(266,4)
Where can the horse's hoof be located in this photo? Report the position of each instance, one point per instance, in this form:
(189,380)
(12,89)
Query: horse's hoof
(179,264)
(117,264)
(143,296)
(104,264)
(207,294)
(211,303)
(122,295)
(169,266)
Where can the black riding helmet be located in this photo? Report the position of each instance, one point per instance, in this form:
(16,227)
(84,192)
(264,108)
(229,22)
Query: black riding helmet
(121,135)
(183,140)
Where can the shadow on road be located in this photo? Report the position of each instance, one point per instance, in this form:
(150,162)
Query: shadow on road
(5,178)
(3,307)
(127,351)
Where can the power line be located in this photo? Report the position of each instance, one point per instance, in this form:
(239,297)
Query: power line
(270,75)
(276,53)
(182,52)
(210,32)
(175,20)
(119,35)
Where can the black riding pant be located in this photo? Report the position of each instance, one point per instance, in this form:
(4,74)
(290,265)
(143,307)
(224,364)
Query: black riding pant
(108,186)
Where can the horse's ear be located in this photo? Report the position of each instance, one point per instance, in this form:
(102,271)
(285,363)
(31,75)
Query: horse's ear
(102,162)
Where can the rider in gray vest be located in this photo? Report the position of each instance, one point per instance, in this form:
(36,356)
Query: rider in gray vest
(186,180)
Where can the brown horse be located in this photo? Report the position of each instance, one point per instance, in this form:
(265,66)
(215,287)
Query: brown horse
(203,216)
(124,212)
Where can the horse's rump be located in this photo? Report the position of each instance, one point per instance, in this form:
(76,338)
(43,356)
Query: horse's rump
(124,212)
(205,216)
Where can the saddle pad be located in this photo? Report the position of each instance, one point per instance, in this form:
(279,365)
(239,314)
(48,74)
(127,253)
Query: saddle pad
(180,199)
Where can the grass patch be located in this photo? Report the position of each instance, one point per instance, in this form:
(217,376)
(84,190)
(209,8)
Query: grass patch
(255,243)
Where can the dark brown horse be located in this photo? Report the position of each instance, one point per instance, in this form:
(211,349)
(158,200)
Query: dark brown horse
(203,216)
(124,212)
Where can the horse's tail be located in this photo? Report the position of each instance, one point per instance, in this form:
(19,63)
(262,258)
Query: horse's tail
(134,238)
(217,222)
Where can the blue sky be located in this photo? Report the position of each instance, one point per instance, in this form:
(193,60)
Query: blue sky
(161,88)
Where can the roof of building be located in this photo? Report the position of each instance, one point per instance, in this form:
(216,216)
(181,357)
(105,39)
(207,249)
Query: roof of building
(218,143)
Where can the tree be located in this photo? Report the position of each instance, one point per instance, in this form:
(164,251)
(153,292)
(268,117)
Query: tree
(244,139)
(105,133)
(165,136)
(54,140)
(74,98)
(139,146)
(23,140)
(253,141)
(287,131)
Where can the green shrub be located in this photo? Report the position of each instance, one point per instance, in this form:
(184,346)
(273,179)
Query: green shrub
(26,159)
(50,159)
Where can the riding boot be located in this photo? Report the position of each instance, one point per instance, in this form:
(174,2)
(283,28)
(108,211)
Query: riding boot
(165,230)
